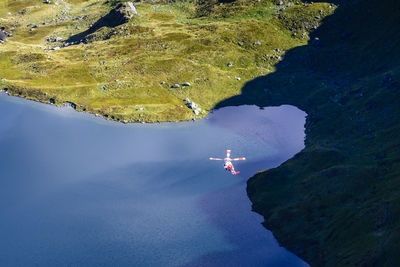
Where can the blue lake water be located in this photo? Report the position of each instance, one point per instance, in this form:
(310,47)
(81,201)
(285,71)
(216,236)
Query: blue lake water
(76,190)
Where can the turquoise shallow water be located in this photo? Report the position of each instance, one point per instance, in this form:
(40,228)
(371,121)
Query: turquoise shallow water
(76,190)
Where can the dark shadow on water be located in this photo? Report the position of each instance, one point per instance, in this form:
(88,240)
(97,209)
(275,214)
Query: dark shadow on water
(253,246)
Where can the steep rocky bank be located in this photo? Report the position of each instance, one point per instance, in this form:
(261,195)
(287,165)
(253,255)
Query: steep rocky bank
(337,202)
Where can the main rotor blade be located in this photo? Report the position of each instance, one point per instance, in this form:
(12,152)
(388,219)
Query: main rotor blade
(239,159)
(215,159)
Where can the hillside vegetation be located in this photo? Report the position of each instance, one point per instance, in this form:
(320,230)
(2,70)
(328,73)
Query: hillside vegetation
(337,203)
(63,52)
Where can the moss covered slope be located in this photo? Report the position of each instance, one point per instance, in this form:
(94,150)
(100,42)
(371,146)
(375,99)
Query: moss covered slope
(337,203)
(127,72)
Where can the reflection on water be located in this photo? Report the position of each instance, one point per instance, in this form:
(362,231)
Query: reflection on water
(77,190)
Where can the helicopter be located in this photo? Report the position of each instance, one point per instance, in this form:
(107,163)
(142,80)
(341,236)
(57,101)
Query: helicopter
(228,162)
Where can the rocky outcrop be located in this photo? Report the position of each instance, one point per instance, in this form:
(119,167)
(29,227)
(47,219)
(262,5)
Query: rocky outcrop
(193,106)
(3,35)
(117,16)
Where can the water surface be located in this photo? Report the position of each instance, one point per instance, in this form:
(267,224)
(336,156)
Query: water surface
(79,190)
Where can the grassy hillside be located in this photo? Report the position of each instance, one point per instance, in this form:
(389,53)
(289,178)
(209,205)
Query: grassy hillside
(337,203)
(126,72)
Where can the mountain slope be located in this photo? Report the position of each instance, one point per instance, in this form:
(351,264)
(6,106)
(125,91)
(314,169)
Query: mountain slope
(337,202)
(82,53)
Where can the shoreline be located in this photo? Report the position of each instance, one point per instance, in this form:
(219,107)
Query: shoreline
(106,117)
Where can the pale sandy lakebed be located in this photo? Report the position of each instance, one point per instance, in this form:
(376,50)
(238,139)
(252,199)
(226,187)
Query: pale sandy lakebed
(79,190)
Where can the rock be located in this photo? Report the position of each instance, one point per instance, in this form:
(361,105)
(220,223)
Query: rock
(3,35)
(127,9)
(47,2)
(192,105)
(140,108)
(280,3)
(240,43)
(55,48)
(117,16)
(316,42)
(59,39)
(186,84)
(257,43)
(72,104)
(237,78)
(162,82)
(230,64)
(175,86)
(196,111)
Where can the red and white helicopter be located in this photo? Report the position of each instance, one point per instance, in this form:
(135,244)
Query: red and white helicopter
(228,162)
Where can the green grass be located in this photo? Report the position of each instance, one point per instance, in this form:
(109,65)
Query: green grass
(123,68)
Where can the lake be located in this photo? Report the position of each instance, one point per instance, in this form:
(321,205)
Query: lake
(76,190)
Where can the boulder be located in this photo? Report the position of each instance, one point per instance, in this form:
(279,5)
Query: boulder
(175,86)
(72,104)
(3,35)
(117,16)
(127,10)
(186,84)
(192,105)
